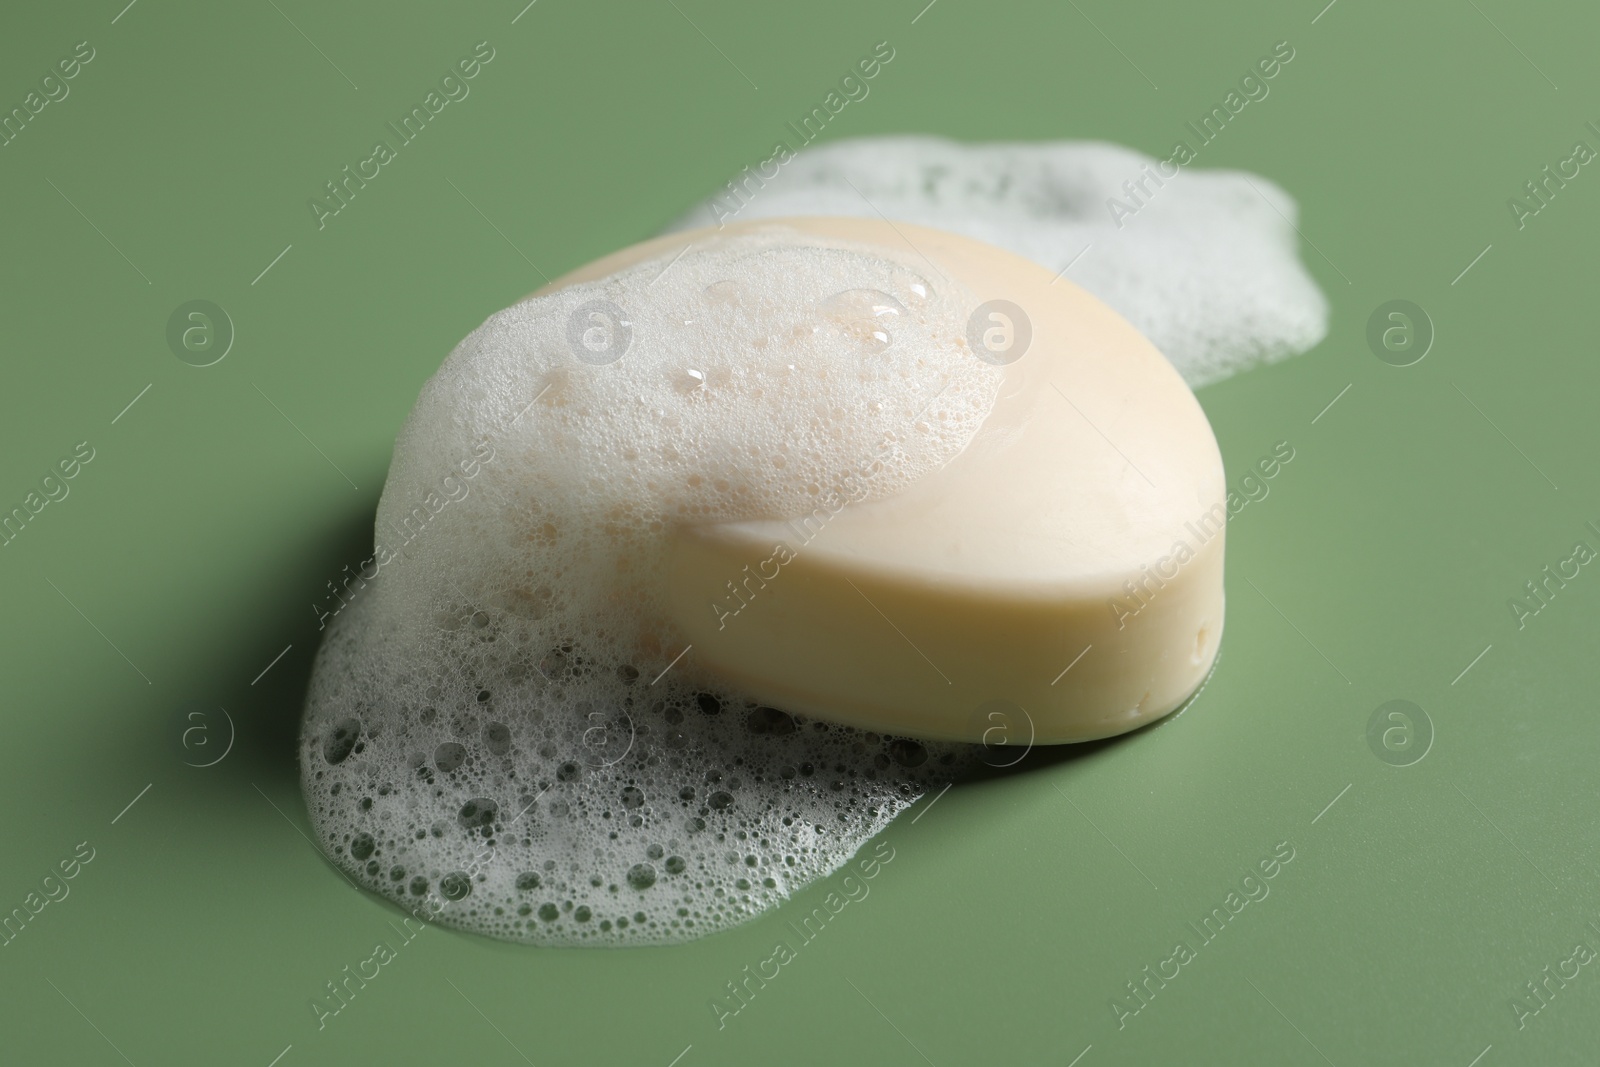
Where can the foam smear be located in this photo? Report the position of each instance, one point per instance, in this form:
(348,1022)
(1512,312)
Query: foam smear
(501,726)
(1202,263)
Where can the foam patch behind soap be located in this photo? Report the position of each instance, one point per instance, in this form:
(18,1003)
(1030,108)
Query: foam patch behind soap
(502,727)
(1203,263)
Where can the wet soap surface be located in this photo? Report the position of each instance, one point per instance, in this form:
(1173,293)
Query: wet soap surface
(480,741)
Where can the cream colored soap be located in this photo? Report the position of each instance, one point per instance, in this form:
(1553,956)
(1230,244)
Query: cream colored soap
(1060,580)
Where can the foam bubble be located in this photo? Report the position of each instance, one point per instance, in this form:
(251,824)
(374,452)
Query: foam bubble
(499,729)
(1205,266)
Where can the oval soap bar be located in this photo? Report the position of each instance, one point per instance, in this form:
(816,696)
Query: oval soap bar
(1061,579)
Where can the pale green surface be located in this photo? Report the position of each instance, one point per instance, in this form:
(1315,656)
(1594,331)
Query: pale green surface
(206,525)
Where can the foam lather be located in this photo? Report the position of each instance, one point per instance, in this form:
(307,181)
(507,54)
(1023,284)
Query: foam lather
(1203,262)
(503,726)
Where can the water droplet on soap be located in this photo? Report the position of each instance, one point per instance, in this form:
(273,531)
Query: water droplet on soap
(881,305)
(862,316)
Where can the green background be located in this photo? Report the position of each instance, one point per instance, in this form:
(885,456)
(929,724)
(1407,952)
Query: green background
(1378,567)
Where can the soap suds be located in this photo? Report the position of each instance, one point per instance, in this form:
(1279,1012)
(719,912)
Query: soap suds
(504,723)
(1205,267)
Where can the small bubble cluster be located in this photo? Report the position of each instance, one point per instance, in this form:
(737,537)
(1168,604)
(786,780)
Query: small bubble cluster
(497,724)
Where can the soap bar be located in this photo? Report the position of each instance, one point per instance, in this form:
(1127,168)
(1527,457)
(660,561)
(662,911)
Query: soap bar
(1061,579)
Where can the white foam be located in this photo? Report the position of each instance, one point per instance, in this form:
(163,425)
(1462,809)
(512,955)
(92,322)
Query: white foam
(497,728)
(1205,266)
